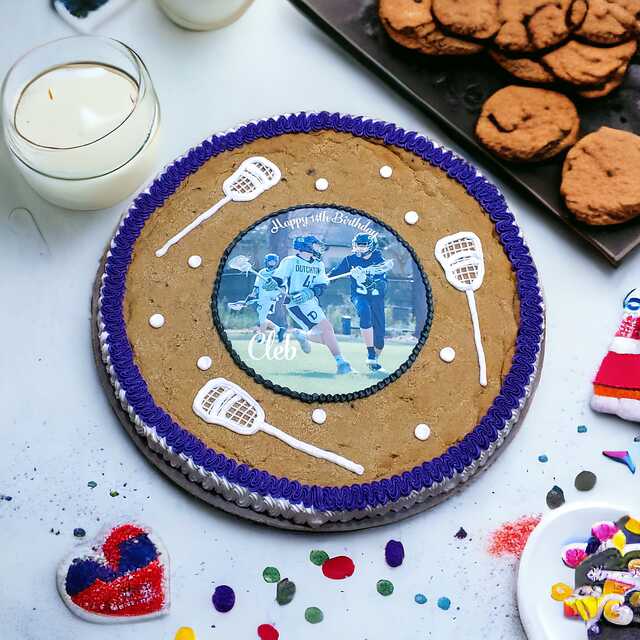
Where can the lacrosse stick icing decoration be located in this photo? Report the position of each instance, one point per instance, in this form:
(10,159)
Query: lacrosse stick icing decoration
(224,403)
(460,255)
(254,176)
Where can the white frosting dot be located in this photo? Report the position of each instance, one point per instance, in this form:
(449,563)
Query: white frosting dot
(322,184)
(156,320)
(422,431)
(204,363)
(319,416)
(411,217)
(447,354)
(194,261)
(386,171)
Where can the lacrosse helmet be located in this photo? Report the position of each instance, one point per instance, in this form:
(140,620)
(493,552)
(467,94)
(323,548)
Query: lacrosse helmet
(271,261)
(310,244)
(364,243)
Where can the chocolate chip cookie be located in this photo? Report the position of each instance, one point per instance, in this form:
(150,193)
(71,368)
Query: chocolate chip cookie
(610,21)
(527,69)
(527,123)
(533,25)
(411,24)
(476,19)
(601,177)
(585,65)
(605,89)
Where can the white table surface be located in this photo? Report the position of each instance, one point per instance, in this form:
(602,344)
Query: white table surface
(58,432)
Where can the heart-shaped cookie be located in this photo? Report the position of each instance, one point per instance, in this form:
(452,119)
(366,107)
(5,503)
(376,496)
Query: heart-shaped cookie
(122,575)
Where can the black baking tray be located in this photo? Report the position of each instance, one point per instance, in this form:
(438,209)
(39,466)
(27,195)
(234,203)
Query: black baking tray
(453,90)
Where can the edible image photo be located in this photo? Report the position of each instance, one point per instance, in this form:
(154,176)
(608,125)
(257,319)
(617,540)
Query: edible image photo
(322,300)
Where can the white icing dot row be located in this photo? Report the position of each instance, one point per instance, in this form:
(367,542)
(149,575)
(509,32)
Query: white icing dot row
(447,354)
(156,320)
(322,184)
(194,261)
(411,217)
(319,416)
(204,363)
(422,431)
(386,171)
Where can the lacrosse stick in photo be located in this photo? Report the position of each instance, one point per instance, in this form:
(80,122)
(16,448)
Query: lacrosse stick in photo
(239,305)
(243,264)
(373,270)
(254,176)
(460,255)
(224,403)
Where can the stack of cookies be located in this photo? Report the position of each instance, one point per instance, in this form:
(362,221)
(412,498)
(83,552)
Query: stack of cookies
(582,47)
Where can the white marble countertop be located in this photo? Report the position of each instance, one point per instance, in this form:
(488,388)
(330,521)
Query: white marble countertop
(58,431)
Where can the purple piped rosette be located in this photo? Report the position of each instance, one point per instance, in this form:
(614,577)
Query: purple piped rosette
(461,459)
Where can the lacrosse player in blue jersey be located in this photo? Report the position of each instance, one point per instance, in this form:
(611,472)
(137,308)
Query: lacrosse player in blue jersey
(368,270)
(304,279)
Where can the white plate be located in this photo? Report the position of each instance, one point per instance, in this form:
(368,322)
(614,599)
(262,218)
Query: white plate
(541,567)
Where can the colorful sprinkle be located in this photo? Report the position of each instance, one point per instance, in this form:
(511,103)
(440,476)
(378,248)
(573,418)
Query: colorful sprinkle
(384,587)
(185,633)
(318,557)
(574,554)
(623,457)
(555,497)
(338,568)
(223,598)
(461,534)
(511,538)
(268,632)
(79,532)
(543,458)
(113,493)
(444,603)
(420,598)
(604,530)
(285,591)
(585,481)
(313,615)
(592,545)
(92,484)
(6,498)
(582,428)
(271,574)
(561,591)
(394,553)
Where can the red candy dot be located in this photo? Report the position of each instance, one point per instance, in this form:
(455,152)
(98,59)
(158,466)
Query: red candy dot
(338,568)
(268,632)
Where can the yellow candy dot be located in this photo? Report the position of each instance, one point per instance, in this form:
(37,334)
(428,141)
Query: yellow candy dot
(633,526)
(587,607)
(185,633)
(619,540)
(561,591)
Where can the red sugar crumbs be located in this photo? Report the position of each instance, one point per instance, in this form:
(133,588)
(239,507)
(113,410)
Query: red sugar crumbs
(511,538)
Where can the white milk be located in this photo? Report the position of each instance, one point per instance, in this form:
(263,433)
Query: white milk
(202,15)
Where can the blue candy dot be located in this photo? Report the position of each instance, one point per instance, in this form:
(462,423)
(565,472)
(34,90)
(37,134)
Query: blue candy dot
(223,598)
(420,598)
(444,603)
(543,458)
(582,428)
(79,532)
(394,553)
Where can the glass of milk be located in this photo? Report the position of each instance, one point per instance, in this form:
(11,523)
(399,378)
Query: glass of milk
(203,15)
(80,116)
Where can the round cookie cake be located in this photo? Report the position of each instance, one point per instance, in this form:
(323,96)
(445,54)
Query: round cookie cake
(321,318)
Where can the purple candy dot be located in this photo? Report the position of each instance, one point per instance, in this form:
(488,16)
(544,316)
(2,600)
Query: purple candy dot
(394,553)
(223,598)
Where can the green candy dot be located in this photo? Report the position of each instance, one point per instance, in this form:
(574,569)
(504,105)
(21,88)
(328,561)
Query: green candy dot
(313,615)
(271,574)
(384,587)
(285,591)
(318,557)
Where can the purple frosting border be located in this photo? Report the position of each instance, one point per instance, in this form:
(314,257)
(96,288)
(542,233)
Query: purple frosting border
(355,496)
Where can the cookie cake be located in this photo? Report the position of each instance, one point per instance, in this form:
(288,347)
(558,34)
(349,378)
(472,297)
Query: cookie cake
(321,318)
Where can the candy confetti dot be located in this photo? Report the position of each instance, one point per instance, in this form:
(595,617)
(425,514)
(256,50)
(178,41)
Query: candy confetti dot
(338,568)
(420,598)
(318,557)
(313,615)
(422,431)
(285,591)
(223,598)
(113,493)
(543,458)
(461,534)
(185,633)
(411,217)
(156,320)
(555,497)
(204,363)
(447,354)
(322,184)
(394,553)
(444,603)
(271,574)
(319,416)
(268,632)
(92,484)
(623,457)
(386,171)
(582,428)
(511,537)
(79,532)
(384,587)
(585,481)
(194,261)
